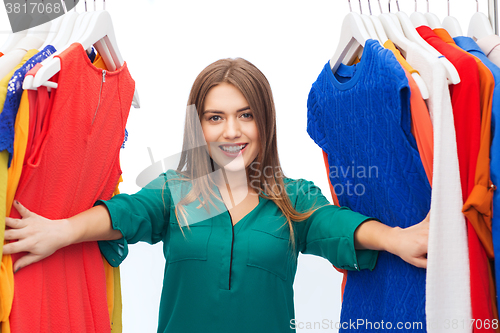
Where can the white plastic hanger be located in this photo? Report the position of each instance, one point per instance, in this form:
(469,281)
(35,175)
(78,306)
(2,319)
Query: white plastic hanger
(378,25)
(100,27)
(479,26)
(418,19)
(432,19)
(451,24)
(33,40)
(61,38)
(14,38)
(396,35)
(368,23)
(54,28)
(412,34)
(353,36)
(65,30)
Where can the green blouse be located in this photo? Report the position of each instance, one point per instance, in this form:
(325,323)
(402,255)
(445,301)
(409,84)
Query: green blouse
(224,278)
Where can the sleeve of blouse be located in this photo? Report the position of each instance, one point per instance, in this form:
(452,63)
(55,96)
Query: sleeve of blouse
(329,231)
(142,216)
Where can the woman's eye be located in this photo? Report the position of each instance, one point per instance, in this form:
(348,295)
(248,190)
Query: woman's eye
(215,118)
(247,115)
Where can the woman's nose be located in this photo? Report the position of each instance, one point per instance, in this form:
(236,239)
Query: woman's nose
(232,129)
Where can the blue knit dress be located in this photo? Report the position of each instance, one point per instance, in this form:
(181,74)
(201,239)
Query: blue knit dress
(360,116)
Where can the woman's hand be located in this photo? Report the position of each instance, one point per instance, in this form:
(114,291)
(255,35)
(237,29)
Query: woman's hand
(36,235)
(411,243)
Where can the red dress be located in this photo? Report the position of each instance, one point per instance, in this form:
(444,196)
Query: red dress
(74,161)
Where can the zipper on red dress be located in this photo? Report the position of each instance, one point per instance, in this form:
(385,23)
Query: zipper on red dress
(100,92)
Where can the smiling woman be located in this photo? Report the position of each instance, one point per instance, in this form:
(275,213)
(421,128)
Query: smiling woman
(231,245)
(231,131)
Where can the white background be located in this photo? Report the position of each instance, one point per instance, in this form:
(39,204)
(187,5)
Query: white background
(167,43)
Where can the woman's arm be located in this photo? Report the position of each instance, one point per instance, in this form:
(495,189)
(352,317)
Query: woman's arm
(41,237)
(410,243)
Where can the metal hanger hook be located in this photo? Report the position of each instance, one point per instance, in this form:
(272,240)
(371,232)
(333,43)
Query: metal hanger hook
(360,9)
(64,6)
(103,4)
(350,8)
(448,7)
(380,6)
(477,6)
(427,6)
(397,5)
(370,7)
(85,5)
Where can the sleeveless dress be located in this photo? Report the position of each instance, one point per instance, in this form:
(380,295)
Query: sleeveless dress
(73,163)
(360,117)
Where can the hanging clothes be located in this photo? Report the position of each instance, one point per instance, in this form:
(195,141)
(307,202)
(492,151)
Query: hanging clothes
(483,179)
(421,125)
(101,101)
(467,110)
(372,141)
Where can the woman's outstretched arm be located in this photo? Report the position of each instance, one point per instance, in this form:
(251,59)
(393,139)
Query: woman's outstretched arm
(409,243)
(41,237)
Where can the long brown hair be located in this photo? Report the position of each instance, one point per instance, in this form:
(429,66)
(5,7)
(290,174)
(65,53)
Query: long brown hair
(195,163)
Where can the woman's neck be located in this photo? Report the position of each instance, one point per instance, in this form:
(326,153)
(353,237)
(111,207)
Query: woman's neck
(234,185)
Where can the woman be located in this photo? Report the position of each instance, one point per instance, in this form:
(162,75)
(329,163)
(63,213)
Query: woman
(232,224)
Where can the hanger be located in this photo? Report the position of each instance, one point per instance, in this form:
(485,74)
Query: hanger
(378,25)
(33,40)
(412,34)
(100,28)
(353,37)
(479,26)
(432,19)
(60,39)
(54,28)
(451,24)
(418,19)
(66,29)
(396,35)
(368,23)
(14,38)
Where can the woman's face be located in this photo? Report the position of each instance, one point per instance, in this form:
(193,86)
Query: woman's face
(229,128)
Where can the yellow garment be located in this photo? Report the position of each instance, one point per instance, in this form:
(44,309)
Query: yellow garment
(116,321)
(21,128)
(402,61)
(6,274)
(113,287)
(5,81)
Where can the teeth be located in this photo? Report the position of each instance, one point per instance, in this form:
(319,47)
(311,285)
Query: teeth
(232,149)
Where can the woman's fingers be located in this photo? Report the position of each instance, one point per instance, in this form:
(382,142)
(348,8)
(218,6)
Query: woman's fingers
(26,260)
(13,234)
(23,211)
(15,247)
(15,223)
(420,262)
